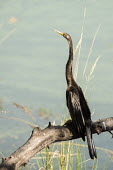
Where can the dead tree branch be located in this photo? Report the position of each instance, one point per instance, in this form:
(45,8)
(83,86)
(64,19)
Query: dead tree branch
(41,138)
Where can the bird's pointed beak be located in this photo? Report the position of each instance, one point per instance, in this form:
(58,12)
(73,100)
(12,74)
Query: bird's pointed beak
(61,33)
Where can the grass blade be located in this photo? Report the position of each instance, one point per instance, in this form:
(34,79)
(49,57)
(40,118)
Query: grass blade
(20,120)
(90,51)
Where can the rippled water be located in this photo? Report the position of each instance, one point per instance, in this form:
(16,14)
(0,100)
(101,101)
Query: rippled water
(33,58)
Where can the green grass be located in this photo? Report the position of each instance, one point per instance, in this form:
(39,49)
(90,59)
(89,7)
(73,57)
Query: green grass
(67,156)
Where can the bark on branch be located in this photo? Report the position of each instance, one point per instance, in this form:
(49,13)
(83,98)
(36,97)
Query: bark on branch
(41,138)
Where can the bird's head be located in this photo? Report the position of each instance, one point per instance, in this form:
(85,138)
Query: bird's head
(65,35)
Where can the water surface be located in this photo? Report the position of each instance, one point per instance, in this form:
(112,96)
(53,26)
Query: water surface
(33,58)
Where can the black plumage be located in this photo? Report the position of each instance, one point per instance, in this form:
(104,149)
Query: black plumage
(76,102)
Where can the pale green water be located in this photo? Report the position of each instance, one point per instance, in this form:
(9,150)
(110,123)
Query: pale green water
(33,58)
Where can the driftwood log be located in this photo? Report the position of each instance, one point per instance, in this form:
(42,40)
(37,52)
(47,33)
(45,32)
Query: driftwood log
(41,138)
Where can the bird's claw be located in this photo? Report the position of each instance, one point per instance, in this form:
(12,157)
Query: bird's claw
(111,133)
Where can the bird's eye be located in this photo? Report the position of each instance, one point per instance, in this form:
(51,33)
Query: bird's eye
(67,36)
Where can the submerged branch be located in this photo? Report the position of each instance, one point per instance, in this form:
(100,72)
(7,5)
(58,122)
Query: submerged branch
(41,138)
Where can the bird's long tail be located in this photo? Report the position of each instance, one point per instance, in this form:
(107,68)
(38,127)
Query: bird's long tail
(90,142)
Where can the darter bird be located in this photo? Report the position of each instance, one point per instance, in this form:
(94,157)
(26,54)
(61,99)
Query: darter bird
(76,102)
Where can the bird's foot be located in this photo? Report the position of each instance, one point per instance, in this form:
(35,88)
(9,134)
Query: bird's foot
(111,133)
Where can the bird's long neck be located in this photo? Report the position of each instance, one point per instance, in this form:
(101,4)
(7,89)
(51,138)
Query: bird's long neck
(69,74)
